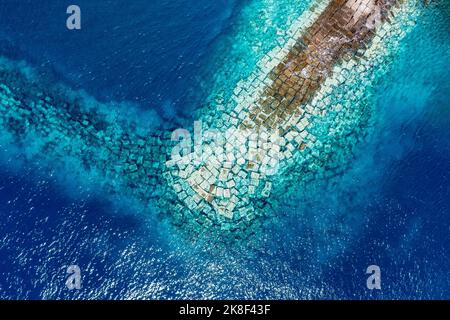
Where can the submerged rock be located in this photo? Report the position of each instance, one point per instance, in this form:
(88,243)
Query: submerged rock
(295,119)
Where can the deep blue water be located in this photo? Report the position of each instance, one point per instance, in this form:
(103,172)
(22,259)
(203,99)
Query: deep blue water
(392,208)
(148,52)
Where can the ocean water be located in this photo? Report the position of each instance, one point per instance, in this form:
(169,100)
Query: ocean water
(390,208)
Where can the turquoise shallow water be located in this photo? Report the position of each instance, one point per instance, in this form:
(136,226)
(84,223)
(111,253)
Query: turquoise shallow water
(389,208)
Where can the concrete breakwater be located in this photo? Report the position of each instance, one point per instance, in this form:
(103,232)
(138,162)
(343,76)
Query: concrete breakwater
(294,120)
